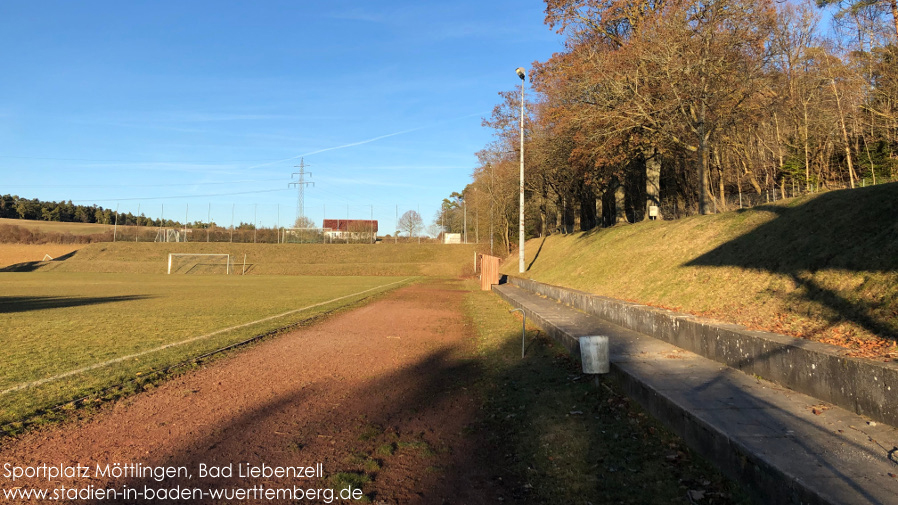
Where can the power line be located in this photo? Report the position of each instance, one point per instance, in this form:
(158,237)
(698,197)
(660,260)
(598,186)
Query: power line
(124,161)
(182,184)
(300,187)
(171,197)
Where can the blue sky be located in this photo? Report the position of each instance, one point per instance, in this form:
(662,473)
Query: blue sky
(189,104)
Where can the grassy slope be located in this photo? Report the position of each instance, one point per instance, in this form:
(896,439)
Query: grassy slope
(58,227)
(280,259)
(823,267)
(10,254)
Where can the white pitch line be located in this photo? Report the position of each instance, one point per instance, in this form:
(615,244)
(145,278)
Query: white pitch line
(182,342)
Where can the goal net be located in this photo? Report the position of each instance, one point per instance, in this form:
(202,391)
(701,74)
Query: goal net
(183,263)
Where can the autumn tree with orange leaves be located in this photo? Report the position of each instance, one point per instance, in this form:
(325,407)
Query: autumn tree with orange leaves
(694,106)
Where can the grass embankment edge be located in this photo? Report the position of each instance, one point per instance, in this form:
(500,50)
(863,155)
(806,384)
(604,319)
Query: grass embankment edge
(821,267)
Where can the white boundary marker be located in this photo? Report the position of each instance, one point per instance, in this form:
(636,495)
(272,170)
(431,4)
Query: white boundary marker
(88,368)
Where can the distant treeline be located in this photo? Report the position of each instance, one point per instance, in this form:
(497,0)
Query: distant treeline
(14,207)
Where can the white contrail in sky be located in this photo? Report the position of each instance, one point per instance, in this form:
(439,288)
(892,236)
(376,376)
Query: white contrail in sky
(353,144)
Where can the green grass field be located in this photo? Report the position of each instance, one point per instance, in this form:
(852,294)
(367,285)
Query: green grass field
(58,323)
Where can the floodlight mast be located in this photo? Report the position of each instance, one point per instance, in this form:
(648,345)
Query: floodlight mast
(523,75)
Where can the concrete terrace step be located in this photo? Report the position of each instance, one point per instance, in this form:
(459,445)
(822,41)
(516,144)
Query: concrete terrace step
(762,434)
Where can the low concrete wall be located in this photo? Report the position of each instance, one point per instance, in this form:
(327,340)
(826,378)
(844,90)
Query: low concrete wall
(863,386)
(565,338)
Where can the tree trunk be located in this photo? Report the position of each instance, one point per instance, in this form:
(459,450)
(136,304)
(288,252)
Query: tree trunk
(505,236)
(751,176)
(723,200)
(895,15)
(807,156)
(652,179)
(702,169)
(587,209)
(620,210)
(845,139)
(568,215)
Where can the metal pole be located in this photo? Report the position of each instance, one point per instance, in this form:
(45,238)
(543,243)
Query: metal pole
(186,211)
(232,222)
(476,224)
(137,233)
(115,226)
(522,75)
(491,228)
(255,225)
(208,221)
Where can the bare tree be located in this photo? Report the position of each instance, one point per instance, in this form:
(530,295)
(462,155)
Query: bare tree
(411,223)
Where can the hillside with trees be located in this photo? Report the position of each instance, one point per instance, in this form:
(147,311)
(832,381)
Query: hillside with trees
(691,107)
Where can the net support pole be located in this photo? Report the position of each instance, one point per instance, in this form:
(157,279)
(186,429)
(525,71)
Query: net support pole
(169,263)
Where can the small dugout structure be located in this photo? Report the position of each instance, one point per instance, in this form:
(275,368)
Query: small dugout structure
(489,271)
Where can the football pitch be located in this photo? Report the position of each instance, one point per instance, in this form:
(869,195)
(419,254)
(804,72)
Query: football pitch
(70,335)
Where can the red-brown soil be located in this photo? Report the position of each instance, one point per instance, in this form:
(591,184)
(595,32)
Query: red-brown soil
(386,391)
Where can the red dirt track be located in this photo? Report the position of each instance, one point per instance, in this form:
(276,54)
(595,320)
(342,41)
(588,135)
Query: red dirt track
(389,385)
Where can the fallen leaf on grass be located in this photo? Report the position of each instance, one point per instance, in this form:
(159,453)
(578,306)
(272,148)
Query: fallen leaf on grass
(818,409)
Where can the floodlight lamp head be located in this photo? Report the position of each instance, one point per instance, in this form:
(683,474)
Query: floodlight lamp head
(521,73)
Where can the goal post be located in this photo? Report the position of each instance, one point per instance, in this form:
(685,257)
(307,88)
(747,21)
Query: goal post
(227,258)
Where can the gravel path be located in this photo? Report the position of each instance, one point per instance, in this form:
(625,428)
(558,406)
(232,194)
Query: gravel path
(381,397)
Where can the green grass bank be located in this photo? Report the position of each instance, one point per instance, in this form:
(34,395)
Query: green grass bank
(823,267)
(382,259)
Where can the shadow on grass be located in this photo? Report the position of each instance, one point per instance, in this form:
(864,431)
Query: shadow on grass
(450,427)
(566,439)
(31,266)
(11,304)
(538,250)
(853,231)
